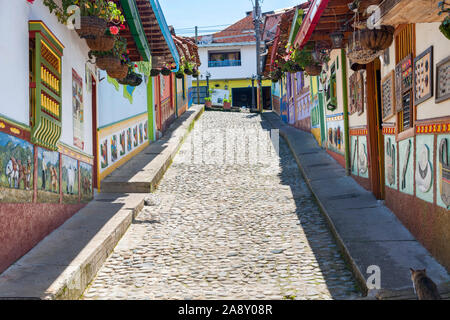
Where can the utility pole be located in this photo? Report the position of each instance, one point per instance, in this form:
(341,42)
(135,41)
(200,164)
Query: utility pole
(198,90)
(257,21)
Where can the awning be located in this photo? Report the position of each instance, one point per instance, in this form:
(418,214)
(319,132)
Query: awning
(309,22)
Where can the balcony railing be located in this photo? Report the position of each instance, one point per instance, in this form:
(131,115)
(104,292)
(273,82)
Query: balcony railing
(224,63)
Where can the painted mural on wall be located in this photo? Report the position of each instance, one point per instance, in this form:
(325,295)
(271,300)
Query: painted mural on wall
(335,135)
(443,172)
(69,179)
(363,161)
(114,154)
(16,163)
(48,176)
(356,92)
(354,154)
(119,144)
(77,110)
(424,167)
(391,162)
(87,193)
(104,154)
(406,166)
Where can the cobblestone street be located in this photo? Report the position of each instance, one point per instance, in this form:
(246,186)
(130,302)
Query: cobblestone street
(231,219)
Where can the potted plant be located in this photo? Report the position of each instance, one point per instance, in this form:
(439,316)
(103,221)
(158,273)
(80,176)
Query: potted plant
(154,72)
(111,58)
(208,102)
(188,66)
(196,74)
(227,104)
(445,25)
(165,71)
(132,79)
(95,15)
(104,42)
(377,39)
(180,73)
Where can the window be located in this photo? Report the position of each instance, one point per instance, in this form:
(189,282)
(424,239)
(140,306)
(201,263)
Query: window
(330,90)
(224,59)
(405,45)
(45,86)
(202,94)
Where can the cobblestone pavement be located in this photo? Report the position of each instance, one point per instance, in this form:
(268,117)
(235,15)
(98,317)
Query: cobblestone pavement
(233,227)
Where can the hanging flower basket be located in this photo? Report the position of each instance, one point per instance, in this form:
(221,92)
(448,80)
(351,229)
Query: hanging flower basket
(313,69)
(154,72)
(377,39)
(132,79)
(101,43)
(189,72)
(91,27)
(105,62)
(196,74)
(358,54)
(445,27)
(117,72)
(179,74)
(165,71)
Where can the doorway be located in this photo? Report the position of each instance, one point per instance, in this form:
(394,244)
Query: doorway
(375,128)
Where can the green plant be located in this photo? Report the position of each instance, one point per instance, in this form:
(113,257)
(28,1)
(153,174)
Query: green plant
(207,98)
(445,25)
(227,100)
(106,10)
(119,50)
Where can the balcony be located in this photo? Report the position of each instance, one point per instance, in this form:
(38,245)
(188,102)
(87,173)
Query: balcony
(224,63)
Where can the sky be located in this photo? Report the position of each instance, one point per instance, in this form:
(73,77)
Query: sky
(212,15)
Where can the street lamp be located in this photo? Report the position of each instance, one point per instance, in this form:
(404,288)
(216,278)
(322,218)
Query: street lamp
(207,75)
(253,91)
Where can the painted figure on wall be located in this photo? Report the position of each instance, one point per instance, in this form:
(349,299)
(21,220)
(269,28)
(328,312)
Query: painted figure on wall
(135,136)
(424,173)
(444,172)
(129,142)
(122,143)
(69,179)
(48,175)
(141,134)
(16,163)
(113,148)
(146,130)
(86,181)
(77,110)
(390,162)
(104,153)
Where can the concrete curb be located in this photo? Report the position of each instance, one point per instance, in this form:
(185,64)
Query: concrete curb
(346,254)
(151,170)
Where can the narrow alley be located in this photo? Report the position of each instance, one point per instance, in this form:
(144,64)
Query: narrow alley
(222,225)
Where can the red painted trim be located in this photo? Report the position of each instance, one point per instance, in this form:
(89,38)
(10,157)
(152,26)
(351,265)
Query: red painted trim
(309,23)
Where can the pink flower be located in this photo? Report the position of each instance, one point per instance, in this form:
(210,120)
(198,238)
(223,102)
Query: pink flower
(114,30)
(122,27)
(30,1)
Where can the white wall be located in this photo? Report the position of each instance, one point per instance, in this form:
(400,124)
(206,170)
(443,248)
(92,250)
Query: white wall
(245,70)
(14,87)
(14,17)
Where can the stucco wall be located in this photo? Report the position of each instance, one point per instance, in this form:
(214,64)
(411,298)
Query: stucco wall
(245,70)
(14,64)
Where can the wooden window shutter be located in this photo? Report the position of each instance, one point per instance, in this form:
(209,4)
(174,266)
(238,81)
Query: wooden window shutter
(45,84)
